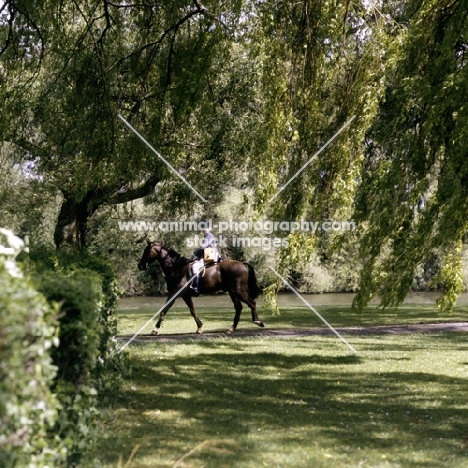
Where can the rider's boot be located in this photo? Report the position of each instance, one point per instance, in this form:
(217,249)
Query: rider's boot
(194,285)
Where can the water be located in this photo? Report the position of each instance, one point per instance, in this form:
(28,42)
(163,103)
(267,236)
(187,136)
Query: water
(284,300)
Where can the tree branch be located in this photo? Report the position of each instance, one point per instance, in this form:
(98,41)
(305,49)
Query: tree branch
(205,12)
(175,27)
(10,27)
(108,23)
(133,194)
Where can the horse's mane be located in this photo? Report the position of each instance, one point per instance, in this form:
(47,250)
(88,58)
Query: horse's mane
(173,254)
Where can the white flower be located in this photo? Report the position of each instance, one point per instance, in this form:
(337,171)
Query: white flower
(13,241)
(6,250)
(16,245)
(13,269)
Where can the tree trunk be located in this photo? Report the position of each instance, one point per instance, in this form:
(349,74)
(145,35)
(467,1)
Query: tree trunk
(72,223)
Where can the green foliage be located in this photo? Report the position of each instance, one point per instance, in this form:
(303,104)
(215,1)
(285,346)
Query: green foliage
(270,295)
(153,64)
(240,96)
(315,81)
(29,409)
(83,287)
(297,252)
(414,193)
(77,422)
(97,282)
(123,249)
(77,296)
(450,275)
(321,63)
(26,203)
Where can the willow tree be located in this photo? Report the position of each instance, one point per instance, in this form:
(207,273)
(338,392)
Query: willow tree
(149,61)
(414,193)
(21,55)
(321,64)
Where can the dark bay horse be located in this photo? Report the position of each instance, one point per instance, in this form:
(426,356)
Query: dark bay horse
(237,278)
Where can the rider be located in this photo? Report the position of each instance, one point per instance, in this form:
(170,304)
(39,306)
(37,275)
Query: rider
(208,240)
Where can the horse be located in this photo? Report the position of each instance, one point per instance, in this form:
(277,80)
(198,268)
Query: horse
(236,278)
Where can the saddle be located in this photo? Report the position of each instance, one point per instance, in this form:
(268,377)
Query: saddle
(210,258)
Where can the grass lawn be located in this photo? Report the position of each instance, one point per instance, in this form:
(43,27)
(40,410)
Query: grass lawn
(219,319)
(296,402)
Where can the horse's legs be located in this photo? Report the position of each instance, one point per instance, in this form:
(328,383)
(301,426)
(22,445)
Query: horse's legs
(188,300)
(244,297)
(238,307)
(167,306)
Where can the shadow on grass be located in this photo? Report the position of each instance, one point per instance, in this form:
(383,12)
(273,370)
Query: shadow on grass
(243,403)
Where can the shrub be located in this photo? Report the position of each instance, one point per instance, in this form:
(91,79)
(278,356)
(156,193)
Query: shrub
(84,290)
(78,296)
(104,277)
(28,407)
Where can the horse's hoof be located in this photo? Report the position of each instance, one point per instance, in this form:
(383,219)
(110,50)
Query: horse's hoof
(199,331)
(155,331)
(229,331)
(259,323)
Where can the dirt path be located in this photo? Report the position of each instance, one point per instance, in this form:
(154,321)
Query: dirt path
(299,332)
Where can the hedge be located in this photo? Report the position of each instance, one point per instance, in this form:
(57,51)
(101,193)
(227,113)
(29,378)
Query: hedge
(29,410)
(84,289)
(77,296)
(56,356)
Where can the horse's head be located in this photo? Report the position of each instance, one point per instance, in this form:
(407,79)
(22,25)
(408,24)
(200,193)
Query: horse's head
(152,253)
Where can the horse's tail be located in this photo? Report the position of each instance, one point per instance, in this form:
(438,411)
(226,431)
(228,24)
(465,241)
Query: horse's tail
(252,285)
